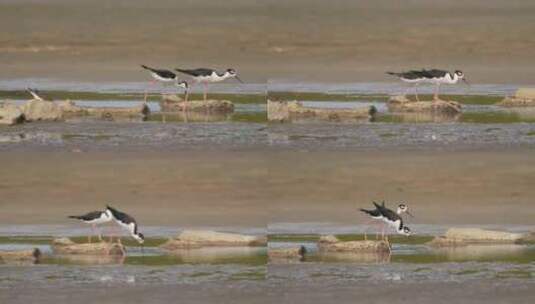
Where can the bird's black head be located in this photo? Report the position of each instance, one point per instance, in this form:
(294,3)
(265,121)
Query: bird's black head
(140,238)
(233,73)
(406,231)
(182,84)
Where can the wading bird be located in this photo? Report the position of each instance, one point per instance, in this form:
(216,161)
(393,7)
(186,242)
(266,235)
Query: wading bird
(377,215)
(165,76)
(205,76)
(128,223)
(434,76)
(94,218)
(393,220)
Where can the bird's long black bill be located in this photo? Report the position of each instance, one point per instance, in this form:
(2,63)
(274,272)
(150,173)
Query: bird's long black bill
(466,81)
(238,78)
(409,213)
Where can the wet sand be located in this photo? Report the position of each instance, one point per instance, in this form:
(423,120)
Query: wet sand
(486,291)
(296,40)
(253,188)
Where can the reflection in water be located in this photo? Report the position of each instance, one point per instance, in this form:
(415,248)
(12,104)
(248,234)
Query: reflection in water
(75,259)
(417,117)
(348,257)
(215,255)
(483,252)
(188,117)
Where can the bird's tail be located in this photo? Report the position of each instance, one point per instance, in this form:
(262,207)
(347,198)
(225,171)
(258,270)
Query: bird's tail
(147,68)
(393,73)
(76,217)
(112,210)
(366,211)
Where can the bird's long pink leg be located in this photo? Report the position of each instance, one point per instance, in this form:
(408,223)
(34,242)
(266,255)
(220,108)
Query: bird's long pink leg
(205,89)
(366,230)
(92,232)
(436,92)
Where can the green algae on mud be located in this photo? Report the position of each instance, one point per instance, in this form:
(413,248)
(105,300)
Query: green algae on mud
(395,239)
(326,97)
(250,117)
(98,96)
(47,240)
(32,240)
(489,117)
(494,117)
(314,96)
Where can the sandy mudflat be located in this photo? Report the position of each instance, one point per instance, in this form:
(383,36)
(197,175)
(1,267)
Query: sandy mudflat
(253,188)
(295,292)
(338,40)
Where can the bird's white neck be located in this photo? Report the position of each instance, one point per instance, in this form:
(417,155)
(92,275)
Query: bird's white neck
(452,78)
(221,77)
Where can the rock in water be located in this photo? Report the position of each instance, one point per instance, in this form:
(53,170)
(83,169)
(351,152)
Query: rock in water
(288,111)
(20,256)
(467,236)
(35,110)
(10,114)
(524,97)
(297,252)
(200,238)
(355,246)
(67,246)
(173,103)
(400,104)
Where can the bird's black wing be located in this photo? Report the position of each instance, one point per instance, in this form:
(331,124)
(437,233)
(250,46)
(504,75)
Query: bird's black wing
(434,73)
(161,72)
(196,72)
(412,75)
(88,216)
(121,216)
(371,212)
(387,212)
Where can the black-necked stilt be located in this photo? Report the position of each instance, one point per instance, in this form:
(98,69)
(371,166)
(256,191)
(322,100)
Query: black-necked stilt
(34,94)
(376,214)
(393,219)
(94,218)
(434,76)
(128,223)
(165,76)
(205,76)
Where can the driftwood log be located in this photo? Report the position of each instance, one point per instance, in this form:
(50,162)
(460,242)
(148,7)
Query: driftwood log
(200,238)
(294,111)
(65,246)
